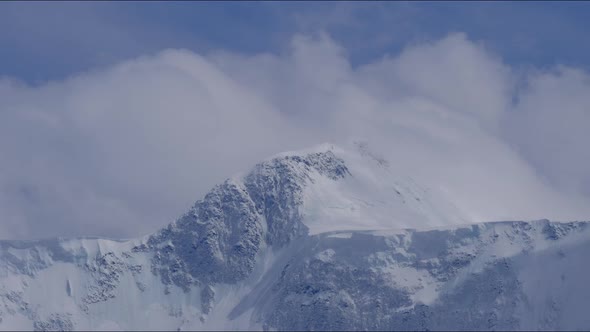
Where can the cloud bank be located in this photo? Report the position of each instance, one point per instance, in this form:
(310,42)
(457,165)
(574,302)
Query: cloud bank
(121,151)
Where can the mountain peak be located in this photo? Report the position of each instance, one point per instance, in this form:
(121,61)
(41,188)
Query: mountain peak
(324,238)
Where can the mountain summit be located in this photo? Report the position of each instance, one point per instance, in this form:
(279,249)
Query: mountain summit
(322,239)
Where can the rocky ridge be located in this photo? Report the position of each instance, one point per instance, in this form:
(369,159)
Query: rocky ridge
(243,257)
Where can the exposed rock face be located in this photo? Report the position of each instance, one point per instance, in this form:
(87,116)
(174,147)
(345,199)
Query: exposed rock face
(242,257)
(217,241)
(56,322)
(375,282)
(276,188)
(219,238)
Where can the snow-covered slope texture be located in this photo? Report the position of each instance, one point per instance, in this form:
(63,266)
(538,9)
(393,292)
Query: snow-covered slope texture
(492,276)
(320,239)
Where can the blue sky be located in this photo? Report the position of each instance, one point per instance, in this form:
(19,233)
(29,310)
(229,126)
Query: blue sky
(42,41)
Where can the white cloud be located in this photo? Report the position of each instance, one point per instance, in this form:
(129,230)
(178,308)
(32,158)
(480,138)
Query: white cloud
(453,72)
(122,151)
(550,127)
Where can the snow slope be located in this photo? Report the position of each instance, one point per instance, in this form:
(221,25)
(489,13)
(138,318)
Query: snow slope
(373,197)
(326,238)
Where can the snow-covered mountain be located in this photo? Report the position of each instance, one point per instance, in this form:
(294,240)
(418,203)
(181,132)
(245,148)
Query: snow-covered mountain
(322,239)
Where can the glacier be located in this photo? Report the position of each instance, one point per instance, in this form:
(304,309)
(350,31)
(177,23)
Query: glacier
(327,238)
